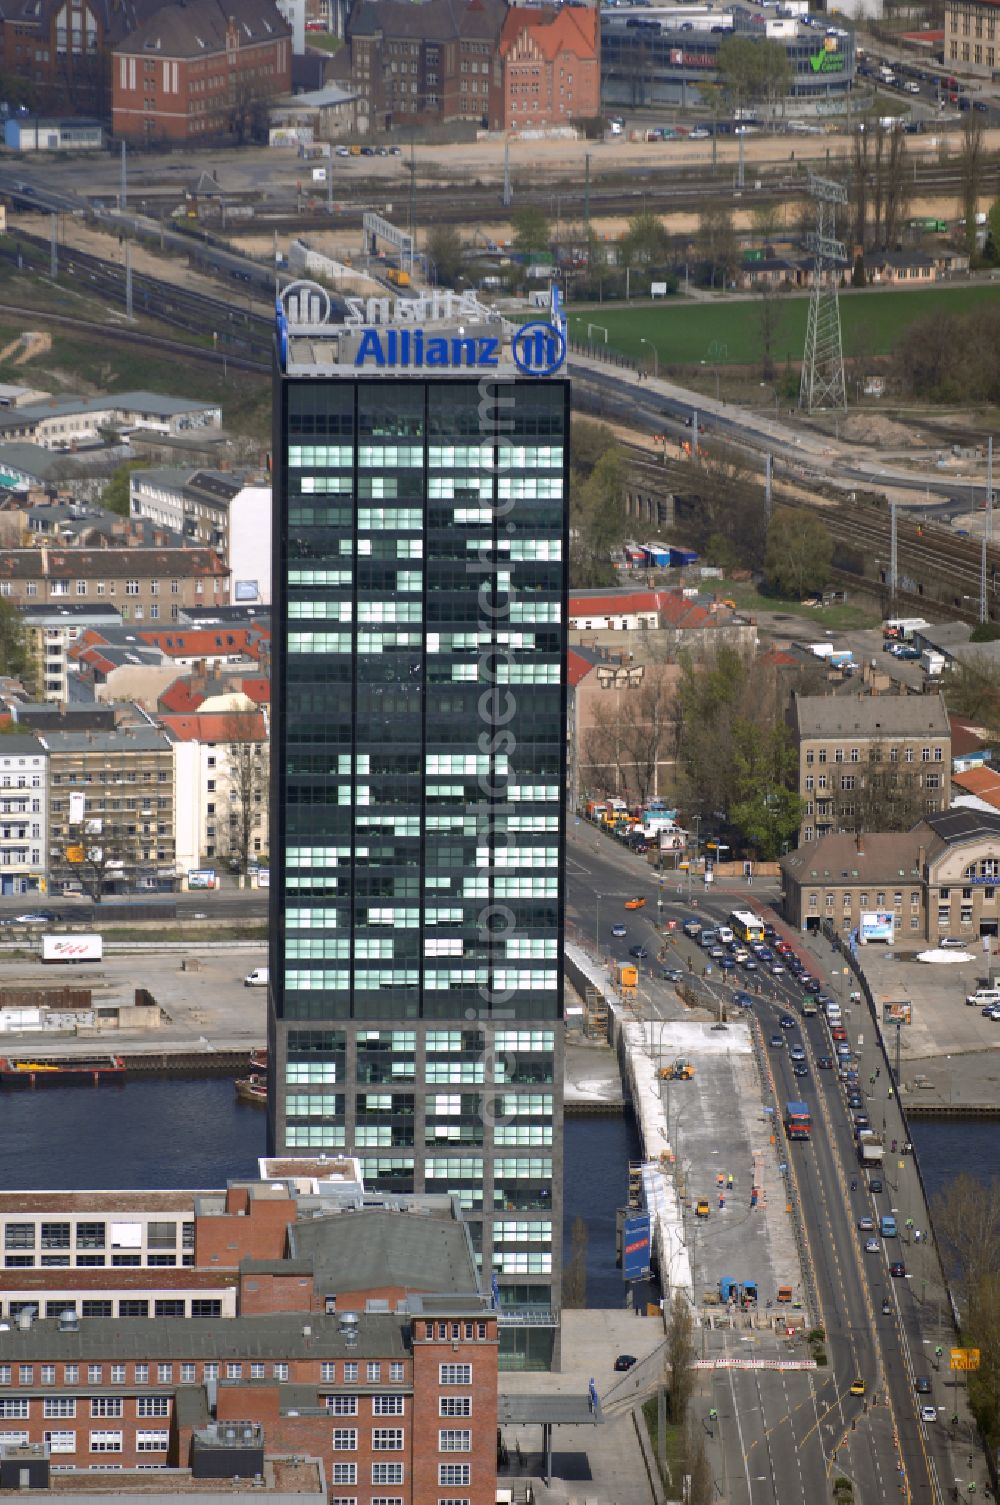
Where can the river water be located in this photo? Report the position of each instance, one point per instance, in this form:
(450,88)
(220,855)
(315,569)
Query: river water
(196,1134)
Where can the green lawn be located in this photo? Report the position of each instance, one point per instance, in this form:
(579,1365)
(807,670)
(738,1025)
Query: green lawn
(727,333)
(838,618)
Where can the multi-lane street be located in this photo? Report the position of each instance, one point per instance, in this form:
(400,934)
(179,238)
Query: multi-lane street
(786,1435)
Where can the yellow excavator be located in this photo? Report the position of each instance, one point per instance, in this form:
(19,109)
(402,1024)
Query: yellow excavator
(677,1071)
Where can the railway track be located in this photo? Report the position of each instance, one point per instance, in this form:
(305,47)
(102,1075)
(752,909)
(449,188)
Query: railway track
(238,332)
(165,346)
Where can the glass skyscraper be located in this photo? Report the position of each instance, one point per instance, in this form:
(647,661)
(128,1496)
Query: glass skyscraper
(419,712)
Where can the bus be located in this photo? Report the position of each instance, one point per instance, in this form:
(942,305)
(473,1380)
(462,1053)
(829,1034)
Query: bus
(746,926)
(798,1124)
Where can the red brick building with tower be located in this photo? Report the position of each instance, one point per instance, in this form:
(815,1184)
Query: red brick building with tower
(297,1312)
(551,62)
(199,70)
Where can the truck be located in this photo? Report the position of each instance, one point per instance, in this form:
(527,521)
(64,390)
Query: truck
(903,628)
(887,1225)
(798,1124)
(678,1071)
(932,662)
(72,948)
(871,1148)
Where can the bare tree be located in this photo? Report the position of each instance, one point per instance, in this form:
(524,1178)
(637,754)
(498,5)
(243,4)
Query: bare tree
(97,851)
(679,1356)
(247,787)
(701,1489)
(967,1221)
(770,311)
(882,795)
(633,735)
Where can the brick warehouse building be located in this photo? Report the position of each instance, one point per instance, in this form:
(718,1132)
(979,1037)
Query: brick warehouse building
(193,70)
(345,1326)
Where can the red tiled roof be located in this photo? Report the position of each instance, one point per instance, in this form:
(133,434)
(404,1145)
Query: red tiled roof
(572,29)
(779,657)
(217,726)
(613,606)
(182,697)
(204,642)
(983,782)
(577,668)
(677,610)
(967,737)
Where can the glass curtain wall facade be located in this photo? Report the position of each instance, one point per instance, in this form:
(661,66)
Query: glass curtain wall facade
(418,770)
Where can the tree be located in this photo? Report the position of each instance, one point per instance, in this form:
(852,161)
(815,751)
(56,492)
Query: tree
(116,496)
(701,1487)
(248,110)
(247,786)
(633,733)
(444,250)
(993,232)
(645,242)
(798,554)
(753,69)
(574,1288)
(880,795)
(715,244)
(967,1222)
(13,641)
(532,233)
(770,314)
(766,221)
(973,690)
(766,808)
(970,173)
(679,1356)
(597,522)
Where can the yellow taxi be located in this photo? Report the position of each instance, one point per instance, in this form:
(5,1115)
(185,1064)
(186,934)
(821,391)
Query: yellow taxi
(858,1387)
(635,903)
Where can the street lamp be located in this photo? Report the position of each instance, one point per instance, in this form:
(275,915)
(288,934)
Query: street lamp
(656,356)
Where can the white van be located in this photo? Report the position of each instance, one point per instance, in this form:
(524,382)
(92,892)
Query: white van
(256,979)
(983,996)
(725,935)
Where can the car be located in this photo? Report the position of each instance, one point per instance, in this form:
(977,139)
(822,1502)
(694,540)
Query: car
(922,1384)
(381,151)
(701,1208)
(716,952)
(800,1069)
(875,1186)
(928,1413)
(742,1000)
(855,1100)
(911,87)
(824,1063)
(770,934)
(624,1361)
(638,903)
(618,931)
(672,974)
(368,151)
(861,1121)
(797,1053)
(898,1269)
(812,984)
(699,134)
(343,151)
(691,927)
(34,917)
(782,948)
(776,1042)
(740,953)
(786,1021)
(857,1387)
(749,965)
(866,1225)
(395,151)
(872,1246)
(776,969)
(727,964)
(952,940)
(639,952)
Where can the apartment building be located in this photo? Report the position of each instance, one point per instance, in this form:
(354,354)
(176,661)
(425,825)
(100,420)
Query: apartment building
(970,36)
(111,810)
(323,1319)
(52,632)
(221,773)
(23,816)
(142,585)
(870,762)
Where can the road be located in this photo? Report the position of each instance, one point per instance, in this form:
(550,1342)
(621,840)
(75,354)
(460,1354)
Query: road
(785,1435)
(224,904)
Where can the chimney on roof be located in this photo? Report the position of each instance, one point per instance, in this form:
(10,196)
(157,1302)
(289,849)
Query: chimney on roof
(921,859)
(859,842)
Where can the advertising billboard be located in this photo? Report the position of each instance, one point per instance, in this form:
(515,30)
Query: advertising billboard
(202,878)
(896,1013)
(635,1246)
(876,925)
